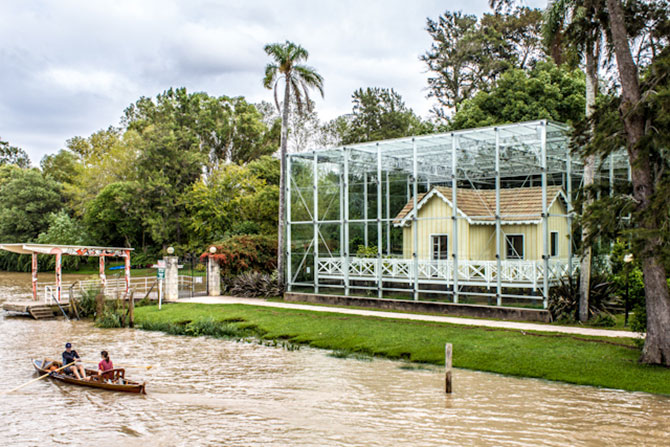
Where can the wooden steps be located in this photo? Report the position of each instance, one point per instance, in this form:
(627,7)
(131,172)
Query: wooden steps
(41,312)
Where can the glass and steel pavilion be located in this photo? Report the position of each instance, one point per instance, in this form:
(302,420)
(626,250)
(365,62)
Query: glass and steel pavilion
(364,218)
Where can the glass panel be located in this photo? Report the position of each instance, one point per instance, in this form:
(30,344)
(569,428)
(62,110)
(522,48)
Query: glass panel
(514,246)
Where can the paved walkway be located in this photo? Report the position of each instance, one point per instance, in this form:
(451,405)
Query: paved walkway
(415,317)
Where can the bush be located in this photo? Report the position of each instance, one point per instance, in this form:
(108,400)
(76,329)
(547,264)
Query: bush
(255,284)
(564,298)
(110,318)
(242,253)
(366,252)
(86,303)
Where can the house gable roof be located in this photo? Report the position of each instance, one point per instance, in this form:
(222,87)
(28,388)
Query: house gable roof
(517,205)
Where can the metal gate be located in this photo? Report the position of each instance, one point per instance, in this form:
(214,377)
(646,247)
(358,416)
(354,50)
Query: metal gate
(192,276)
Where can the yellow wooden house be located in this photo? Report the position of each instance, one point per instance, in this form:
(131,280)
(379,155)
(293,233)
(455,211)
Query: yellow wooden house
(521,224)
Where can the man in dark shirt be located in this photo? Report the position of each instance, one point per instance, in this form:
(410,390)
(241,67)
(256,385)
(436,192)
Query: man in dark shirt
(69,356)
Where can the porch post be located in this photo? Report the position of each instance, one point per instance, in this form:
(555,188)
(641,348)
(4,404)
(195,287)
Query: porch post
(498,218)
(127,270)
(101,269)
(568,193)
(545,215)
(388,215)
(415,221)
(365,208)
(315,236)
(380,283)
(58,274)
(289,278)
(34,275)
(454,217)
(346,220)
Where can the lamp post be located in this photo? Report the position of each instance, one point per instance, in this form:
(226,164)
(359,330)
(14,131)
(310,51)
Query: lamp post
(627,260)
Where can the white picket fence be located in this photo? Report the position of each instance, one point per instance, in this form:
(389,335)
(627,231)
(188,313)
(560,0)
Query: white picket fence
(513,273)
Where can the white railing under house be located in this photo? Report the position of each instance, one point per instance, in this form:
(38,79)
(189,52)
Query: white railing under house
(513,273)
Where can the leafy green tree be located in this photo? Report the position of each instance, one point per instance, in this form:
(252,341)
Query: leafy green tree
(467,55)
(12,155)
(545,92)
(229,196)
(298,79)
(227,129)
(62,166)
(26,200)
(641,107)
(380,113)
(113,218)
(265,168)
(64,230)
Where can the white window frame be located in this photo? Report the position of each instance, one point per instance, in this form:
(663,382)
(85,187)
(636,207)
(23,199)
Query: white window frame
(523,246)
(553,253)
(432,246)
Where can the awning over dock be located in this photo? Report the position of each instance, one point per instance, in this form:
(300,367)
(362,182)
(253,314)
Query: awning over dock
(69,250)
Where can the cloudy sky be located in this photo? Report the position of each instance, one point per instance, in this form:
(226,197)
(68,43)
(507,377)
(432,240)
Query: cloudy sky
(70,67)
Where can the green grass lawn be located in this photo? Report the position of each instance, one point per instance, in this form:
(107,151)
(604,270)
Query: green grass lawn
(579,360)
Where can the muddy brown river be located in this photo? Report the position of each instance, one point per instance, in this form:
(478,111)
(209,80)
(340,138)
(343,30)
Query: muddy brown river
(208,392)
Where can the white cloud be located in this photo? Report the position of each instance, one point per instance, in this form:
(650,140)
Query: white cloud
(71,67)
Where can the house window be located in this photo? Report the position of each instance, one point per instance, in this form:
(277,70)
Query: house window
(514,246)
(440,250)
(554,244)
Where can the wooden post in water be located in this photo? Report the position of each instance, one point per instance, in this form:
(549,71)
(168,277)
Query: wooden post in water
(131,310)
(447,367)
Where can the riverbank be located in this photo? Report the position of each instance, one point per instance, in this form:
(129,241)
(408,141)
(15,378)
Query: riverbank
(559,357)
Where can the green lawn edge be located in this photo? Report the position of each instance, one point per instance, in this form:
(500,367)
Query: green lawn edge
(593,361)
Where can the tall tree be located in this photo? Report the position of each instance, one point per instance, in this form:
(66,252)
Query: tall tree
(380,113)
(576,22)
(12,155)
(545,92)
(467,55)
(298,80)
(657,343)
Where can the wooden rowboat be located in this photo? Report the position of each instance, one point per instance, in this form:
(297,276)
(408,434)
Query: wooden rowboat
(115,382)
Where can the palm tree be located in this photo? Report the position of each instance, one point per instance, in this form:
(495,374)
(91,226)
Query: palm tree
(298,80)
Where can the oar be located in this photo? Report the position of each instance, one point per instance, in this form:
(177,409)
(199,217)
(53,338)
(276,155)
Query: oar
(39,378)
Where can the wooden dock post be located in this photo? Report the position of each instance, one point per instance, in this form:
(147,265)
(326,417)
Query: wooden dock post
(447,366)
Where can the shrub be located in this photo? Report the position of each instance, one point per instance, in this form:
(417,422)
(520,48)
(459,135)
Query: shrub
(564,298)
(242,253)
(86,303)
(255,284)
(366,252)
(110,318)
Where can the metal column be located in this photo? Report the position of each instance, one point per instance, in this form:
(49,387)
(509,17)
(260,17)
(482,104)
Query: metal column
(289,277)
(315,219)
(346,220)
(454,217)
(498,218)
(365,208)
(415,221)
(388,215)
(545,215)
(568,193)
(380,283)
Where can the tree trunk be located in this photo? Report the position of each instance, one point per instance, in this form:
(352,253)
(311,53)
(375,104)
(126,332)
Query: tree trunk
(281,249)
(589,176)
(657,343)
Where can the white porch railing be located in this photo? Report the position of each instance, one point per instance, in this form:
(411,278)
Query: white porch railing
(114,286)
(513,273)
